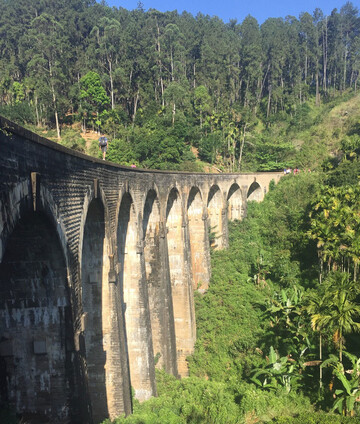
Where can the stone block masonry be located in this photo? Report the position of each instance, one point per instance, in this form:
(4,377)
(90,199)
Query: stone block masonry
(98,266)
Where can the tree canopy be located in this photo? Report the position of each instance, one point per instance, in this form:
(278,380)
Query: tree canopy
(226,83)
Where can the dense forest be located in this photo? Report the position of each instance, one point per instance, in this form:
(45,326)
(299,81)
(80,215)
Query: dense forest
(168,88)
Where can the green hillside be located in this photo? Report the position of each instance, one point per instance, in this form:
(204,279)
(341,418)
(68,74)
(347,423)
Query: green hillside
(176,91)
(304,142)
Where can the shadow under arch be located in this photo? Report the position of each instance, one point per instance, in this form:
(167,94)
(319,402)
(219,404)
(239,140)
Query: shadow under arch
(234,202)
(215,207)
(254,192)
(36,328)
(199,248)
(92,288)
(181,287)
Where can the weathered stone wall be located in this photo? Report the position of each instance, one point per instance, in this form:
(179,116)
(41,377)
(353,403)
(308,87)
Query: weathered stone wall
(100,262)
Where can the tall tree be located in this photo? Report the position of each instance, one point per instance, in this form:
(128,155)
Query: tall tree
(107,36)
(47,47)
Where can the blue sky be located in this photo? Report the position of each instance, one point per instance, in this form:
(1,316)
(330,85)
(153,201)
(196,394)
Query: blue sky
(229,9)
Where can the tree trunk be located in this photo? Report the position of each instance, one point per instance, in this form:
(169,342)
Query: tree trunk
(135,106)
(54,102)
(242,145)
(246,93)
(306,63)
(57,124)
(345,63)
(355,271)
(233,154)
(173,114)
(317,96)
(321,269)
(262,85)
(320,354)
(158,46)
(171,64)
(269,102)
(194,73)
(111,85)
(325,54)
(37,112)
(56,113)
(340,345)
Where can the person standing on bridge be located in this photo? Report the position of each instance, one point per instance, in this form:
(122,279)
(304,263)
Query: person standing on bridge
(103,143)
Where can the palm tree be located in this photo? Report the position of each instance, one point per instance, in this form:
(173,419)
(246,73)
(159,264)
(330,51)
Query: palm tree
(339,310)
(315,309)
(335,226)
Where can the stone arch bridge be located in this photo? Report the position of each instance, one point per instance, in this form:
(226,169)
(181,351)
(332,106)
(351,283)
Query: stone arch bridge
(98,265)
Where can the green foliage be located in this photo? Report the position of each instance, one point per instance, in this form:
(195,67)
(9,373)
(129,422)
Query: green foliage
(209,147)
(279,373)
(347,396)
(120,151)
(190,400)
(263,406)
(18,92)
(246,93)
(335,224)
(315,418)
(285,315)
(302,118)
(93,97)
(338,311)
(350,145)
(347,173)
(273,156)
(272,185)
(228,327)
(92,91)
(72,139)
(231,327)
(277,231)
(20,112)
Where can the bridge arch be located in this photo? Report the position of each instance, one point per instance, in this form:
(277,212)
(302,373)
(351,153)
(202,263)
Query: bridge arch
(18,202)
(255,192)
(198,238)
(234,202)
(13,203)
(135,298)
(215,205)
(181,287)
(36,328)
(93,272)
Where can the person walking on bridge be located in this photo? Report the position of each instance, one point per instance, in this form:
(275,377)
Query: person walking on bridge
(103,143)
